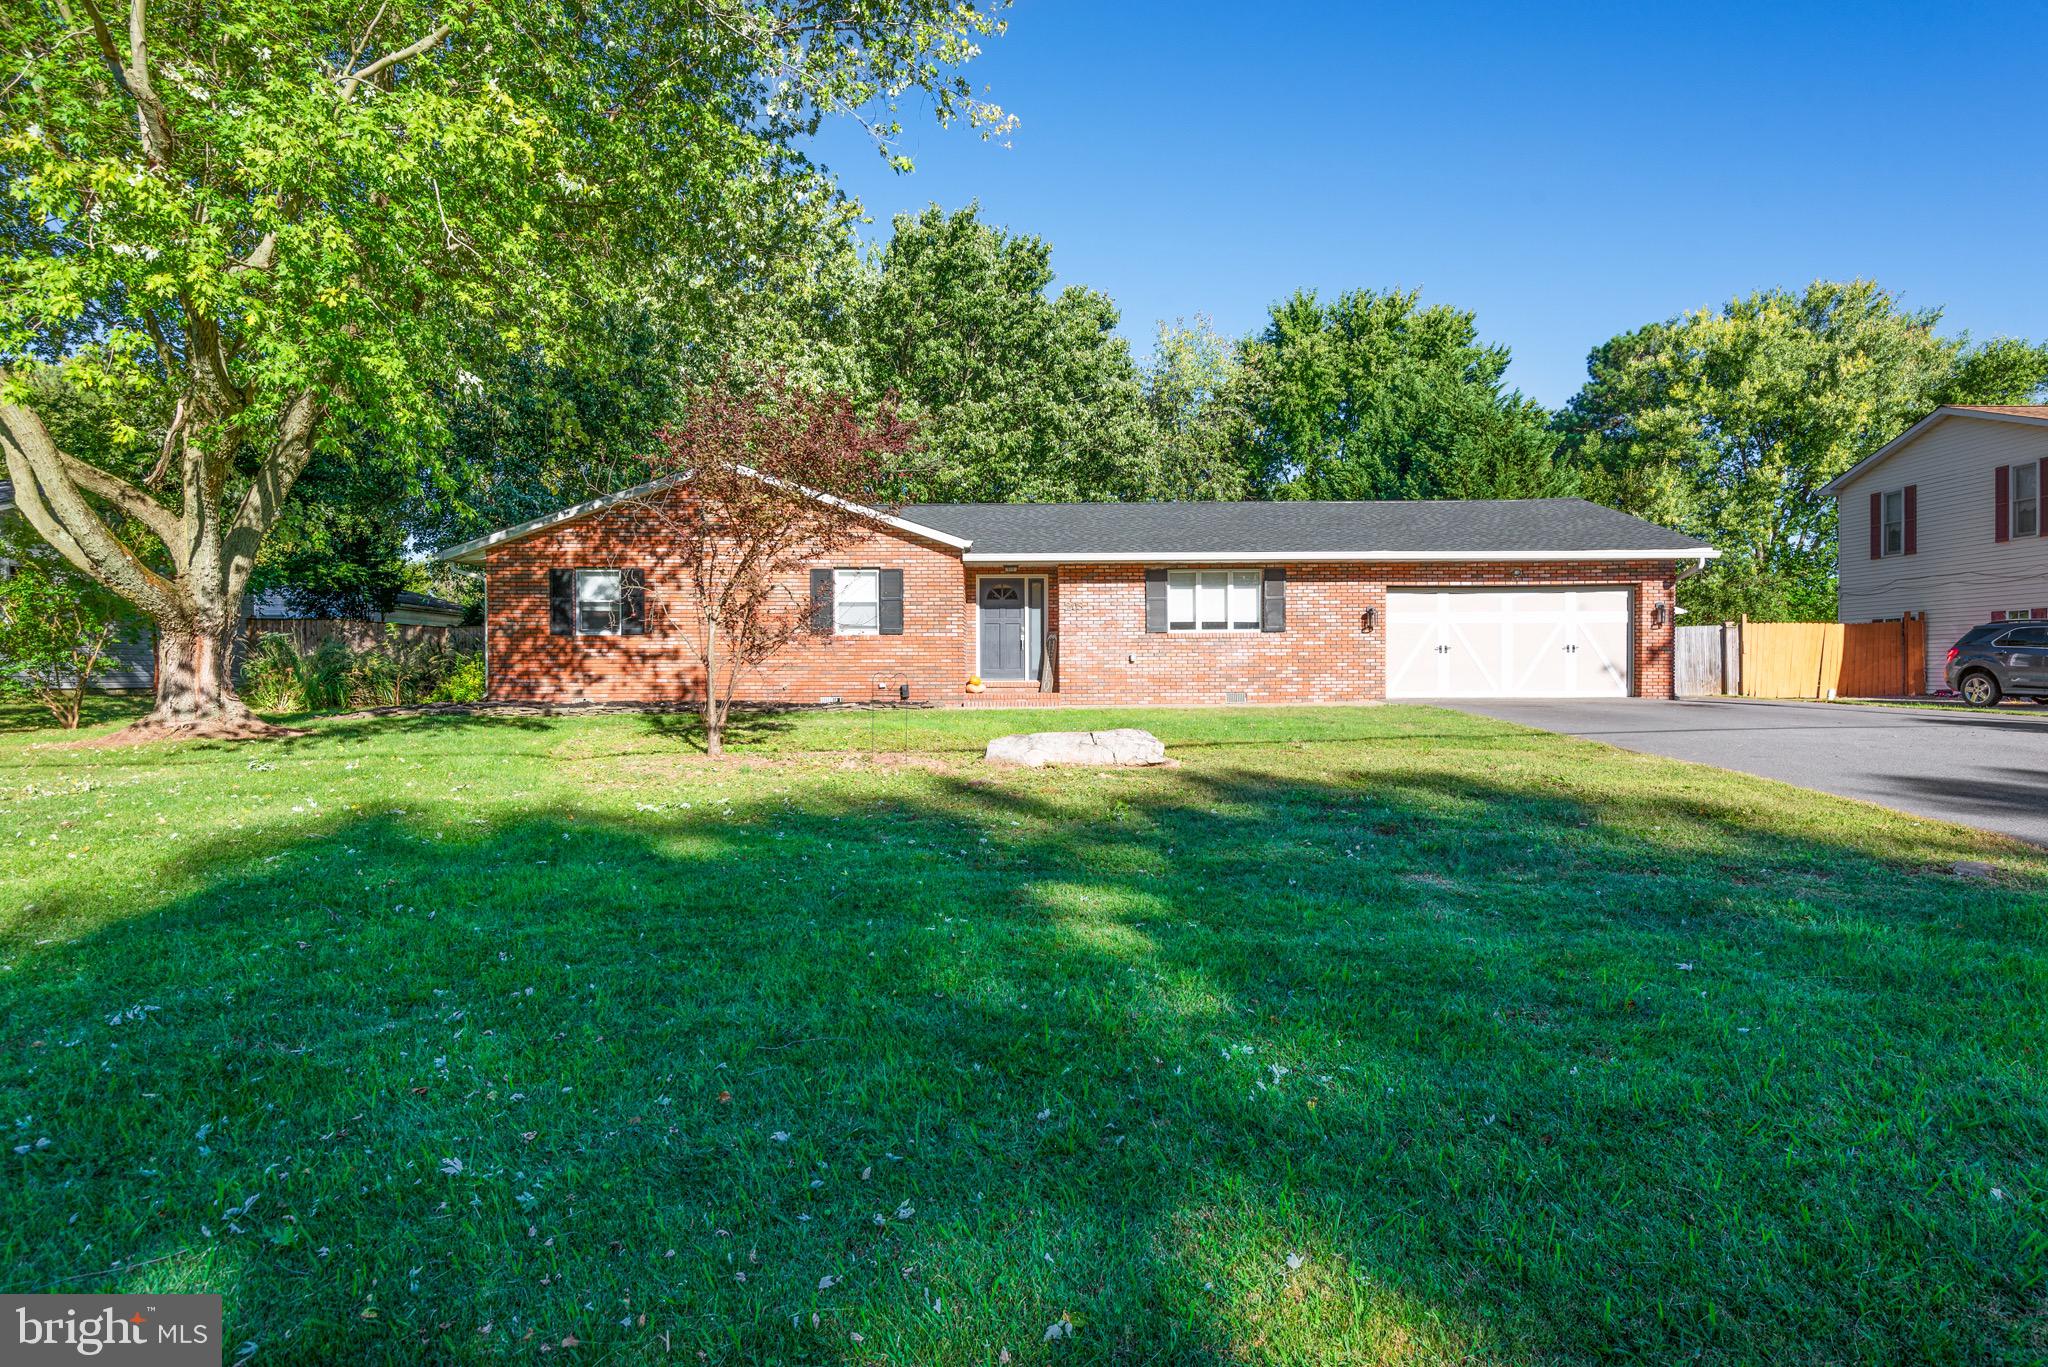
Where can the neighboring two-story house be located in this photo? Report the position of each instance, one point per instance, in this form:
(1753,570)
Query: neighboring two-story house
(1948,520)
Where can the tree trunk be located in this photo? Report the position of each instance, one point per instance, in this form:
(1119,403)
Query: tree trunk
(195,689)
(714,718)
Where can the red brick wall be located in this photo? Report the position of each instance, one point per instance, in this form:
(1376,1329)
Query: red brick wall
(529,664)
(1104,654)
(1324,655)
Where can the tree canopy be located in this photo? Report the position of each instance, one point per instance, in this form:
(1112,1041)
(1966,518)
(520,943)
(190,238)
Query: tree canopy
(286,222)
(1019,394)
(1726,424)
(1374,396)
(1197,396)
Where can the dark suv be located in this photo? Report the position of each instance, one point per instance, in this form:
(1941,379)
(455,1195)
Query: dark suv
(2000,658)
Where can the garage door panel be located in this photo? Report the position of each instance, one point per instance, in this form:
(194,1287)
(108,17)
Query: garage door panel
(1475,658)
(1413,635)
(1542,664)
(1518,643)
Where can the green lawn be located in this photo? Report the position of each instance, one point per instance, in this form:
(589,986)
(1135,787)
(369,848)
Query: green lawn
(1364,1035)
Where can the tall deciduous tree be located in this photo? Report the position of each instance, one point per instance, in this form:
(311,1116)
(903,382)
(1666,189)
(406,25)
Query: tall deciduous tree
(1196,394)
(287,217)
(1019,394)
(753,489)
(1374,396)
(1726,424)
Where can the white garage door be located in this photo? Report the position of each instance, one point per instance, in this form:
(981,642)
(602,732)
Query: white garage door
(1516,643)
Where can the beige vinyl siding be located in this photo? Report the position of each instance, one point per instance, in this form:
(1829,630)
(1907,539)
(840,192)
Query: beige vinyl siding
(1959,574)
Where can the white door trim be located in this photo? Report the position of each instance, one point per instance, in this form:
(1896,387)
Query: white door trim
(1045,616)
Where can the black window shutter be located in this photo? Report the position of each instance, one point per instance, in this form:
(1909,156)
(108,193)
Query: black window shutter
(1877,526)
(1155,600)
(2001,502)
(892,602)
(562,602)
(821,601)
(1910,520)
(632,602)
(1274,616)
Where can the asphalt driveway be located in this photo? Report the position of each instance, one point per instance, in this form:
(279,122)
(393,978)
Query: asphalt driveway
(1985,769)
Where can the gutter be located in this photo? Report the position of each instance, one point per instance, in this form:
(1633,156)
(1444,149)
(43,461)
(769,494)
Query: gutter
(1703,554)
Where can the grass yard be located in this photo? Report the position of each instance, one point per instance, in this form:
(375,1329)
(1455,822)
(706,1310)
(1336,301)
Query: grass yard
(1385,1035)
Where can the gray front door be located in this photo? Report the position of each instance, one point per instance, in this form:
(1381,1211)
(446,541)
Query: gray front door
(1002,629)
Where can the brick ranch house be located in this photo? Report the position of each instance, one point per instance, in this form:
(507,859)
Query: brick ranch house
(1118,603)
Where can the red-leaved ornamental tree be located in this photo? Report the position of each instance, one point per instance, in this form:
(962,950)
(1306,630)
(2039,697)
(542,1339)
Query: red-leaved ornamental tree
(768,480)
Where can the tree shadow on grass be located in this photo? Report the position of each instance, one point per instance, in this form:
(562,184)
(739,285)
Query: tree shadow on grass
(18,714)
(1216,1065)
(423,724)
(743,727)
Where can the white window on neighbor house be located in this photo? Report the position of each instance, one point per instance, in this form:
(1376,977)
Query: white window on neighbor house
(1212,600)
(857,602)
(598,594)
(1895,522)
(2026,499)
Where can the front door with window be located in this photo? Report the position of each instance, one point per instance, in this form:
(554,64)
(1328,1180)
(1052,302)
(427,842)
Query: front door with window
(1006,629)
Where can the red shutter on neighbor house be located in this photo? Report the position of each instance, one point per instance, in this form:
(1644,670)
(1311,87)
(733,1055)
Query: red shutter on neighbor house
(1912,518)
(2001,502)
(1877,526)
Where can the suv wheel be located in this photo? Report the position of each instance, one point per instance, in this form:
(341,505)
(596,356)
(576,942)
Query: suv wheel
(1980,689)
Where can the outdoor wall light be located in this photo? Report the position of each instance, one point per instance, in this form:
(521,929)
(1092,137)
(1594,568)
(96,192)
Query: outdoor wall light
(1368,620)
(1657,615)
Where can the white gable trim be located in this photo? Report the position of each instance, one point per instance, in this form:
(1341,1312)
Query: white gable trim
(1913,433)
(472,552)
(1700,553)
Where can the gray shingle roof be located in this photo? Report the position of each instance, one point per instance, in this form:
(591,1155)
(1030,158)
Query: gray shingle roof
(1544,526)
(1490,529)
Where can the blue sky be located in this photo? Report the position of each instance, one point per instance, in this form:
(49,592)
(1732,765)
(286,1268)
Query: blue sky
(1566,174)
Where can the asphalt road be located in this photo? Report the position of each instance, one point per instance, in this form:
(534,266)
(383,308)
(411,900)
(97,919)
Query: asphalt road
(1987,769)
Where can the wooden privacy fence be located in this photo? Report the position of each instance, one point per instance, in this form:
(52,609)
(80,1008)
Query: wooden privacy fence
(308,632)
(1803,659)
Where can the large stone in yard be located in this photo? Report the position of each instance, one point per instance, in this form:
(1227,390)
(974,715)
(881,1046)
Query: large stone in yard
(1126,745)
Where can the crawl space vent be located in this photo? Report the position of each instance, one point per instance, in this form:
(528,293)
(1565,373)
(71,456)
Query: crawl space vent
(1235,697)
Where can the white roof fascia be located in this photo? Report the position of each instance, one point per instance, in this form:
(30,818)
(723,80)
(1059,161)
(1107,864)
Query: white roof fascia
(1892,447)
(1308,557)
(472,552)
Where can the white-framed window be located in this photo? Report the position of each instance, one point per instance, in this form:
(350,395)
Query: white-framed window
(599,594)
(856,602)
(1213,600)
(1894,542)
(2026,499)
